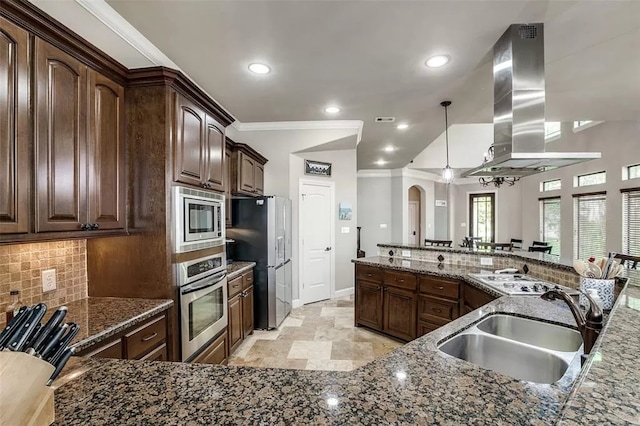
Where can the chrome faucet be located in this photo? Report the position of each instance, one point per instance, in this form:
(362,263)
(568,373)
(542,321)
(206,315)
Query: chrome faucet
(589,325)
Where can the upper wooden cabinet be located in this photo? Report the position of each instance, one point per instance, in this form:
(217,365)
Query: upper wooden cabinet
(60,140)
(15,165)
(247,170)
(199,147)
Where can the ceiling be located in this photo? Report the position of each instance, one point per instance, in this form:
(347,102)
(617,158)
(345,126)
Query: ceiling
(368,58)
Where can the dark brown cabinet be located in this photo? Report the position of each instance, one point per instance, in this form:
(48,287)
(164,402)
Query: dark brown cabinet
(215,353)
(247,170)
(78,144)
(199,147)
(15,164)
(240,309)
(247,174)
(438,302)
(386,301)
(60,139)
(147,341)
(473,298)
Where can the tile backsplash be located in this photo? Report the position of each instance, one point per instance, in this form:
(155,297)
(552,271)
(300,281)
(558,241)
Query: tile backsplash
(22,264)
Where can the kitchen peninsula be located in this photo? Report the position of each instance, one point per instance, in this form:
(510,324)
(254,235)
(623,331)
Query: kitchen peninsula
(415,384)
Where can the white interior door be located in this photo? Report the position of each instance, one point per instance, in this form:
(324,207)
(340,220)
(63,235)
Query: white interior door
(316,230)
(414,234)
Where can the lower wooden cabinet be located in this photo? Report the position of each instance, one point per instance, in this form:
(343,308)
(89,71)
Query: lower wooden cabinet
(147,341)
(240,309)
(399,317)
(369,304)
(215,353)
(473,298)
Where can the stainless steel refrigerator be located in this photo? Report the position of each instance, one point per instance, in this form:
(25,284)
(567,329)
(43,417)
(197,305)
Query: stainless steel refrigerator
(261,228)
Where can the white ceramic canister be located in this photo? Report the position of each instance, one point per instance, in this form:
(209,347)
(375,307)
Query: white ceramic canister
(604,288)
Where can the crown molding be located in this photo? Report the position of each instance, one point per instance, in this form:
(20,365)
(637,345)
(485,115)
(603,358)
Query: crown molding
(127,32)
(372,173)
(302,125)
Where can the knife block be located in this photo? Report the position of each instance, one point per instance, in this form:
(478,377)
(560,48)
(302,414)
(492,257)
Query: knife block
(25,398)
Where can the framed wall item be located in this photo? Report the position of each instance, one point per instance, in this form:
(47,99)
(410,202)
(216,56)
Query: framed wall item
(345,211)
(317,168)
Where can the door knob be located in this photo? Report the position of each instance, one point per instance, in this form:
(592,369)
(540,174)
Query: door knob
(327,249)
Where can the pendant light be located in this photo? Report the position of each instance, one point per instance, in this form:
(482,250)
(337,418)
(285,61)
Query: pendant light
(447,172)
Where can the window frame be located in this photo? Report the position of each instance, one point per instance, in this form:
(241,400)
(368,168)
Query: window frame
(576,179)
(548,137)
(542,202)
(627,237)
(471,221)
(576,223)
(542,185)
(587,125)
(626,172)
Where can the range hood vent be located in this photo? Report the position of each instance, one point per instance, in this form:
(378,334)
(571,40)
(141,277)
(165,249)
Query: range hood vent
(518,109)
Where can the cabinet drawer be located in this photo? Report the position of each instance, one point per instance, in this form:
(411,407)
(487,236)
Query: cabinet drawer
(369,273)
(426,327)
(439,287)
(400,279)
(235,286)
(436,310)
(215,353)
(111,350)
(247,280)
(146,337)
(158,354)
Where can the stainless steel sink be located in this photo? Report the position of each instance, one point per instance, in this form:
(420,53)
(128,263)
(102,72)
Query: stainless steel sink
(522,348)
(532,332)
(515,360)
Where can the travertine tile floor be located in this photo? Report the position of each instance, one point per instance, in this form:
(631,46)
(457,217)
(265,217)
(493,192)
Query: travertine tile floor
(318,336)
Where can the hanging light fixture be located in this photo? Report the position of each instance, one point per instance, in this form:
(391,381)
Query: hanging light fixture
(447,172)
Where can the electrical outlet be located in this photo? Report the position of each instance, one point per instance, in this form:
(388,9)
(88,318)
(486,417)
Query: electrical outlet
(383,226)
(406,253)
(345,230)
(486,261)
(48,280)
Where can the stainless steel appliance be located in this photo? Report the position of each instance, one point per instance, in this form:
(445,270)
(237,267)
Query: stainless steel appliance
(198,219)
(203,301)
(262,233)
(519,284)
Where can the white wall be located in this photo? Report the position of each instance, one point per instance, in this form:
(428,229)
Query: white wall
(343,174)
(374,210)
(619,143)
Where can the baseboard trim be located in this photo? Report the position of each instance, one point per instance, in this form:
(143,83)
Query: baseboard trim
(296,303)
(343,292)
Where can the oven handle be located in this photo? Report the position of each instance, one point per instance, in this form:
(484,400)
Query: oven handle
(210,282)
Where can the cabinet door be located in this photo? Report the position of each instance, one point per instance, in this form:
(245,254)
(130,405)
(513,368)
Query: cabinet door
(474,297)
(60,133)
(15,165)
(214,152)
(246,174)
(235,322)
(228,183)
(158,354)
(106,153)
(189,149)
(259,176)
(369,304)
(400,313)
(247,312)
(215,353)
(111,350)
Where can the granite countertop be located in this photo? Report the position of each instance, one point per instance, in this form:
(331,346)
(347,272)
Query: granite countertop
(415,384)
(102,317)
(238,268)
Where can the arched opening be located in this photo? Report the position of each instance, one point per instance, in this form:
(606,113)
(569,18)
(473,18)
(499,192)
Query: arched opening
(414,215)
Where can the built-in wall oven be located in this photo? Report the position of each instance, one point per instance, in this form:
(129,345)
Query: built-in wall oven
(203,302)
(198,219)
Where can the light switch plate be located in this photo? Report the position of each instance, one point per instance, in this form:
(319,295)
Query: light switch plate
(486,261)
(406,253)
(345,229)
(383,226)
(48,280)
(406,263)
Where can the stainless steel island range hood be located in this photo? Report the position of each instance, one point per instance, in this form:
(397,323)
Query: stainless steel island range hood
(518,109)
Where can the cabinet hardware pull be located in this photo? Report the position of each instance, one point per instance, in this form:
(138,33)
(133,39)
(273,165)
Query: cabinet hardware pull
(399,280)
(84,226)
(437,310)
(440,288)
(369,275)
(149,337)
(94,226)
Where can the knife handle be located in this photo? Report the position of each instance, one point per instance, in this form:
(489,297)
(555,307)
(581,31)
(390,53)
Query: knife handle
(63,343)
(22,334)
(60,364)
(53,341)
(46,331)
(14,324)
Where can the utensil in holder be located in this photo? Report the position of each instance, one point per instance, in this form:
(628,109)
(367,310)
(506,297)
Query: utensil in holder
(25,398)
(604,288)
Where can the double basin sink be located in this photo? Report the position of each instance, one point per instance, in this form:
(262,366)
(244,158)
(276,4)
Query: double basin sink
(522,348)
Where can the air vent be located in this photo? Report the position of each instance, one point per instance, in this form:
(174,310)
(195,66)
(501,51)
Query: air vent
(528,31)
(385,119)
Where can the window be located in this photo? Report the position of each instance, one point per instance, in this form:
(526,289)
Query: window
(578,124)
(584,124)
(631,221)
(552,130)
(550,185)
(589,222)
(482,218)
(631,172)
(550,223)
(591,179)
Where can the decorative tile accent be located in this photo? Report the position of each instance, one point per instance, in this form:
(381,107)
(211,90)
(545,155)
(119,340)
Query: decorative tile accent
(22,264)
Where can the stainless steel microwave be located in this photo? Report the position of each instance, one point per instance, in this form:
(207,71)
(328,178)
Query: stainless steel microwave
(199,220)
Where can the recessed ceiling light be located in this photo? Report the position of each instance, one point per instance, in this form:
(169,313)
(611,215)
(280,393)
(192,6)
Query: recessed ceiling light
(389,148)
(332,110)
(381,162)
(259,68)
(402,126)
(437,61)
